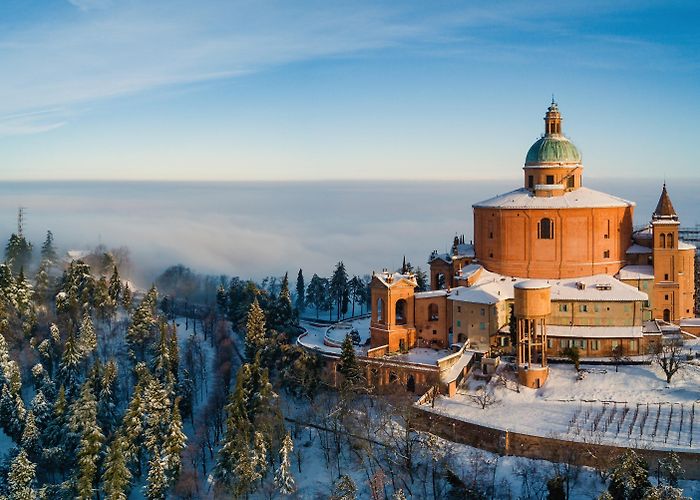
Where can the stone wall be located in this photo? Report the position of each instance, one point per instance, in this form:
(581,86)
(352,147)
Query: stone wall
(538,447)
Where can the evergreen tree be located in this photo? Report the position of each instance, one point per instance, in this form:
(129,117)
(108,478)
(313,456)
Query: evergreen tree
(282,316)
(283,477)
(21,478)
(140,333)
(116,476)
(48,251)
(101,299)
(356,288)
(629,477)
(59,443)
(174,444)
(422,280)
(42,411)
(222,299)
(42,281)
(347,364)
(162,368)
(301,294)
(12,410)
(107,401)
(133,425)
(126,297)
(345,489)
(83,421)
(87,338)
(69,368)
(315,293)
(18,252)
(338,288)
(115,287)
(156,482)
(259,455)
(30,436)
(255,330)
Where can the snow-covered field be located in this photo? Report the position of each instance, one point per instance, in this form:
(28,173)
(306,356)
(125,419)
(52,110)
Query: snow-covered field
(633,407)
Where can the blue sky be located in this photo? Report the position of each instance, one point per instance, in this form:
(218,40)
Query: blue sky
(256,90)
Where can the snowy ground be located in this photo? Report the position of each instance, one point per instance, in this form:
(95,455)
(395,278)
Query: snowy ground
(634,407)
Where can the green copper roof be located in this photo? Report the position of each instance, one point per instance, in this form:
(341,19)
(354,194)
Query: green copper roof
(553,148)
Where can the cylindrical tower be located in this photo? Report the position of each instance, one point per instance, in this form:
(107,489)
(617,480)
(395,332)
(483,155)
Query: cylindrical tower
(532,307)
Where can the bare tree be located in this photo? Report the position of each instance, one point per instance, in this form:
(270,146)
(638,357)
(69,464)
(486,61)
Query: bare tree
(669,355)
(483,397)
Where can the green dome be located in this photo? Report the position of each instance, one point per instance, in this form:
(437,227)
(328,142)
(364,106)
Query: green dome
(552,149)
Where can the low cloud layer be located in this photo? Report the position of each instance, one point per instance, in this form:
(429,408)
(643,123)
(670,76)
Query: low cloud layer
(258,229)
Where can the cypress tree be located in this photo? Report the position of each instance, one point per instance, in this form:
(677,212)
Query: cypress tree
(301,294)
(347,364)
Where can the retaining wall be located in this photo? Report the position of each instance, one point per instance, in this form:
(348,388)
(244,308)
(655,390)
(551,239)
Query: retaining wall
(538,447)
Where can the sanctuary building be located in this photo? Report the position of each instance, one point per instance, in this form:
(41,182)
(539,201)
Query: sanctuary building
(553,265)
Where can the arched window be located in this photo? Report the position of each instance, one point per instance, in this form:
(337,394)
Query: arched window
(433,312)
(380,310)
(663,240)
(545,229)
(401,312)
(667,315)
(669,240)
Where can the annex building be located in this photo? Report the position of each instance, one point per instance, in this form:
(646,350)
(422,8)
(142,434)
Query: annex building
(553,265)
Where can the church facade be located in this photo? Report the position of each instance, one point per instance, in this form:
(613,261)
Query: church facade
(553,265)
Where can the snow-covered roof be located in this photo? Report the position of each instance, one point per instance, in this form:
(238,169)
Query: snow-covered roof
(595,332)
(643,234)
(638,249)
(492,288)
(464,250)
(599,287)
(431,293)
(453,372)
(579,198)
(469,270)
(390,279)
(690,322)
(636,273)
(682,245)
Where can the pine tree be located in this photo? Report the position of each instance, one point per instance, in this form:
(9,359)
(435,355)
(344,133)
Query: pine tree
(21,478)
(255,330)
(87,338)
(162,369)
(629,477)
(156,482)
(398,495)
(41,410)
(133,426)
(127,297)
(59,443)
(347,364)
(140,333)
(12,410)
(83,421)
(30,436)
(283,477)
(48,251)
(259,455)
(116,476)
(18,252)
(282,311)
(115,287)
(345,489)
(301,294)
(315,293)
(107,401)
(69,368)
(338,288)
(422,280)
(174,444)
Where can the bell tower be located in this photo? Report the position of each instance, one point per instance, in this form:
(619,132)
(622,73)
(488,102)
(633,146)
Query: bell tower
(667,262)
(552,120)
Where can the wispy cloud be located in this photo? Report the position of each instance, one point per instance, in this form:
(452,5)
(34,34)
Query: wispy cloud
(112,49)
